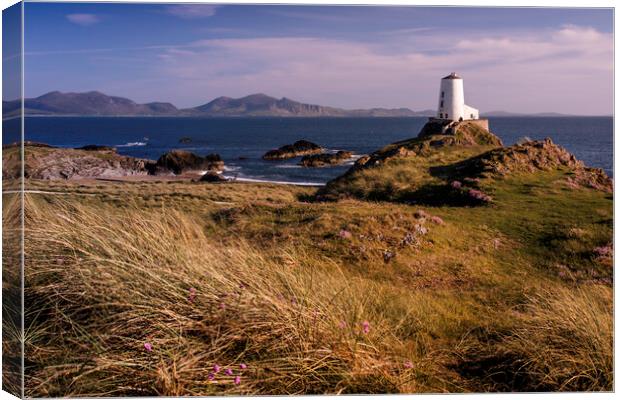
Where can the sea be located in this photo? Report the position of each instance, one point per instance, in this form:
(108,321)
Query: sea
(241,142)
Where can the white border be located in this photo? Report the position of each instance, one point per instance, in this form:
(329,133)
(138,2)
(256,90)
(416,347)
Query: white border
(483,3)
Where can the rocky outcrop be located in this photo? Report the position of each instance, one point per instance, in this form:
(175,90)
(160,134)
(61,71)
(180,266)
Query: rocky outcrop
(96,147)
(450,163)
(27,143)
(532,156)
(325,159)
(435,136)
(42,162)
(213,177)
(299,148)
(180,161)
(45,162)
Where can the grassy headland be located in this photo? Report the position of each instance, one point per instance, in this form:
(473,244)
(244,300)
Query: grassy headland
(141,288)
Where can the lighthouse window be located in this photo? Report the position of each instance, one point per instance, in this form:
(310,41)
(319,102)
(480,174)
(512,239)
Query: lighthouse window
(441,105)
(442,95)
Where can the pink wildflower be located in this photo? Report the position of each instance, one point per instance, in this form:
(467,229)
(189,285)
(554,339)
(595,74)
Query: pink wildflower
(237,380)
(456,184)
(408,364)
(365,327)
(222,306)
(216,368)
(228,371)
(148,347)
(192,295)
(604,251)
(211,376)
(345,234)
(242,366)
(478,195)
(342,325)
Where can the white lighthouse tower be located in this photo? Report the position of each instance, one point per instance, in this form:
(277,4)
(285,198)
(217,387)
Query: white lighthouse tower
(452,100)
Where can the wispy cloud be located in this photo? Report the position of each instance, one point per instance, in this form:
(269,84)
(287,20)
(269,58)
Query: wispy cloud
(83,19)
(192,11)
(568,69)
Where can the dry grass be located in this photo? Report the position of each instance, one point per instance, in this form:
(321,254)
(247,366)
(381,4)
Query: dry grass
(277,289)
(563,342)
(114,282)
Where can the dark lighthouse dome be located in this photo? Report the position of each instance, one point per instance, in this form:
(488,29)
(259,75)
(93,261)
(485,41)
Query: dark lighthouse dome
(452,75)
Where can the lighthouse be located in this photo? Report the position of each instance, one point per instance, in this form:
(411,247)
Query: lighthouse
(452,105)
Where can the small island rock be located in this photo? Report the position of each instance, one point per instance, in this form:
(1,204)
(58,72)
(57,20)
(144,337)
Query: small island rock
(212,177)
(299,148)
(325,159)
(179,161)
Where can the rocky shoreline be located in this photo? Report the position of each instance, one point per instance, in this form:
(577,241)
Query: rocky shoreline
(325,159)
(46,162)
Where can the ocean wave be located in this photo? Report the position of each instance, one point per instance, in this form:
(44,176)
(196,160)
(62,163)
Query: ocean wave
(231,168)
(288,166)
(131,144)
(254,180)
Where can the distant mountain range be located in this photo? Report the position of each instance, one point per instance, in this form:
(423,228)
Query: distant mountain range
(255,105)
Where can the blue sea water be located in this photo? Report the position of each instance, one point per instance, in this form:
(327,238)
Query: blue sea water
(242,141)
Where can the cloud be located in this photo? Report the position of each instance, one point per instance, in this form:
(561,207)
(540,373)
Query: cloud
(192,11)
(83,19)
(569,69)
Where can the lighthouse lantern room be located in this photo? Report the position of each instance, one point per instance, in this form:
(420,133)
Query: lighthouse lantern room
(452,100)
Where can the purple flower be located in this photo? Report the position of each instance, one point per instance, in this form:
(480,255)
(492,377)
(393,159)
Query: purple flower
(604,251)
(237,380)
(222,306)
(365,327)
(242,366)
(211,376)
(408,364)
(216,368)
(148,347)
(228,371)
(192,295)
(456,184)
(478,195)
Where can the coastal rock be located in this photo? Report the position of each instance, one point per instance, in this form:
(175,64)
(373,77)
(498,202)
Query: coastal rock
(324,159)
(28,143)
(299,148)
(96,147)
(539,155)
(431,140)
(179,161)
(43,162)
(213,177)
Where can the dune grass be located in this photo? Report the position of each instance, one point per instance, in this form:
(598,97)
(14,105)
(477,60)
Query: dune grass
(339,297)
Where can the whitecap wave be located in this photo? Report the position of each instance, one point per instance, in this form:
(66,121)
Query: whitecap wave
(131,144)
(231,168)
(288,166)
(254,180)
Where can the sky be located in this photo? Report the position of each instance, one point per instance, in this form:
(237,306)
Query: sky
(512,59)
